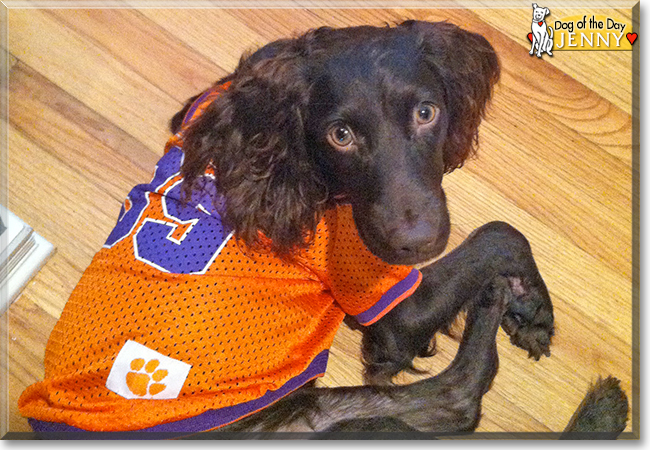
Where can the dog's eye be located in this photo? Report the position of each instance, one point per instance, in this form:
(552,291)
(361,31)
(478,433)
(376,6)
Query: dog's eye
(340,137)
(425,113)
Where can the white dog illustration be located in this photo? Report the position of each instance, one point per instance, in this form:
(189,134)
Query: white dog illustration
(542,35)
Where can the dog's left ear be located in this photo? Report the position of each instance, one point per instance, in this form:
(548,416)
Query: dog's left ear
(468,67)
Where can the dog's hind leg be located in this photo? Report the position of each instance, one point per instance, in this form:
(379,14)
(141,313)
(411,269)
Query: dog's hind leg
(390,344)
(371,425)
(601,415)
(448,402)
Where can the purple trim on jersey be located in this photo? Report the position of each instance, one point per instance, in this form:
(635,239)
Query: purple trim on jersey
(390,297)
(217,417)
(197,102)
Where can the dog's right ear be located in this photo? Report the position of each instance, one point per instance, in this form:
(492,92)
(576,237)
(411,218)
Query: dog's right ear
(534,5)
(252,136)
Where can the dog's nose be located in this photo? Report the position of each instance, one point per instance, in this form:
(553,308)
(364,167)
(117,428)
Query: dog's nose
(415,236)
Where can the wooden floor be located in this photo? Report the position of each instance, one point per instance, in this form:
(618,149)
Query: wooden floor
(91,93)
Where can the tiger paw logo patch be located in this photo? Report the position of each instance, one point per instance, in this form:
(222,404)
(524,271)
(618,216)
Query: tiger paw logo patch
(142,373)
(146,382)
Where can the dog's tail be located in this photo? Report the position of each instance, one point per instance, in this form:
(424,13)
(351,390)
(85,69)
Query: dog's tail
(602,414)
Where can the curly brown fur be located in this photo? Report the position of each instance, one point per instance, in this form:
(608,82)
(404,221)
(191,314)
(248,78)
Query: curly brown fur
(264,135)
(496,251)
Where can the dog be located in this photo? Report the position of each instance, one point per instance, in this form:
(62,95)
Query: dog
(300,188)
(542,35)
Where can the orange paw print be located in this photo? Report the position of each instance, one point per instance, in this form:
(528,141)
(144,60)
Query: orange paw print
(141,382)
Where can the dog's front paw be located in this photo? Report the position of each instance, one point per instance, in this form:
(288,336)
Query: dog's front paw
(528,319)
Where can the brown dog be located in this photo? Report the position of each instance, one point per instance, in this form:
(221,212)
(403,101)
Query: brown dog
(298,189)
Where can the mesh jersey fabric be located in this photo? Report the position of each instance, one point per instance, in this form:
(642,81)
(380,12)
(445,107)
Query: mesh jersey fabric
(172,280)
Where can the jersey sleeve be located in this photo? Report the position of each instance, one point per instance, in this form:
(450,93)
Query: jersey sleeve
(362,284)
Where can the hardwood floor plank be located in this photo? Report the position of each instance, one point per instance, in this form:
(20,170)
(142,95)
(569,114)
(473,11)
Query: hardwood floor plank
(353,17)
(591,209)
(87,142)
(12,62)
(90,74)
(214,34)
(28,329)
(579,110)
(67,208)
(157,56)
(265,22)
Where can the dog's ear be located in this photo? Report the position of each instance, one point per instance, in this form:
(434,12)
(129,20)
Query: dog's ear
(468,68)
(252,136)
(546,12)
(534,5)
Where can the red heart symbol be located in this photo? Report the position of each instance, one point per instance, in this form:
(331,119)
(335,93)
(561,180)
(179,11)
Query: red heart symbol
(530,37)
(631,37)
(540,23)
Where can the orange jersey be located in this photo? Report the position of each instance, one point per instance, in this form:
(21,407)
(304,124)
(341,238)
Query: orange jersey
(175,326)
